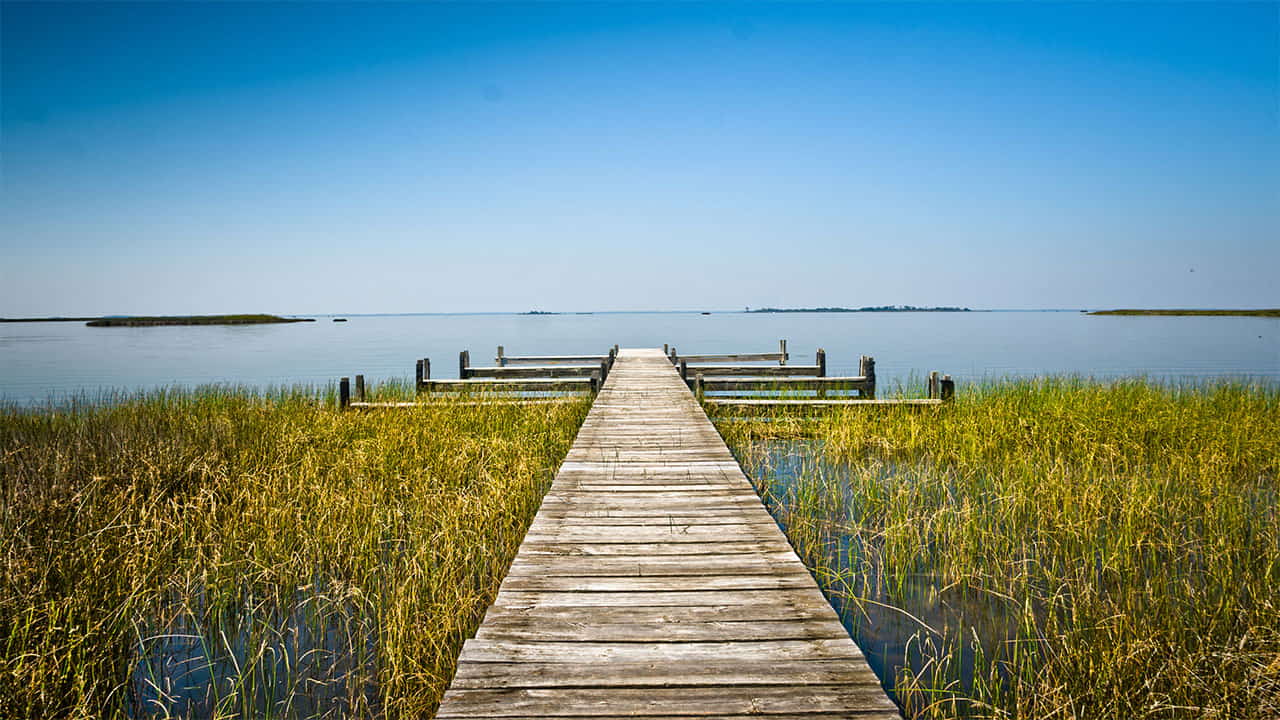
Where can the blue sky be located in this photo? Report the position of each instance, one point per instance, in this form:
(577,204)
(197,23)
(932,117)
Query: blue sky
(308,158)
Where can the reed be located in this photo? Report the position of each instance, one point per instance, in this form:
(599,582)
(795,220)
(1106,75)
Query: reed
(228,553)
(1054,548)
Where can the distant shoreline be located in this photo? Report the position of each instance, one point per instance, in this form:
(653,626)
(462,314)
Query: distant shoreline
(879,308)
(47,319)
(143,321)
(1268,312)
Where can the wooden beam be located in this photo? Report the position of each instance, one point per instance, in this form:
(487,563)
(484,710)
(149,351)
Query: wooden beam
(778,357)
(549,359)
(447,400)
(500,385)
(785,384)
(563,371)
(344,393)
(759,370)
(754,402)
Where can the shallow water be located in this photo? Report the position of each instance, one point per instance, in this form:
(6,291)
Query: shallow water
(48,360)
(311,659)
(902,624)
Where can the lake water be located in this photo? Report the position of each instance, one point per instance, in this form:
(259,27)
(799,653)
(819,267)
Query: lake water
(50,360)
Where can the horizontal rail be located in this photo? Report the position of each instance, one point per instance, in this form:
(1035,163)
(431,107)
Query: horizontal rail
(549,359)
(755,370)
(564,371)
(711,384)
(500,385)
(734,357)
(445,401)
(742,402)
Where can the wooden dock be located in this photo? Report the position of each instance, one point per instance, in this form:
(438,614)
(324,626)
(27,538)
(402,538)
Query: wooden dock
(653,582)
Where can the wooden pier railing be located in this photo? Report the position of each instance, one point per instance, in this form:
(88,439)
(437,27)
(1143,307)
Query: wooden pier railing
(711,377)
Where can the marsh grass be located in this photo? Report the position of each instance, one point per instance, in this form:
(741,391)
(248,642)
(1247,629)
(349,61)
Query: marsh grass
(1052,548)
(227,553)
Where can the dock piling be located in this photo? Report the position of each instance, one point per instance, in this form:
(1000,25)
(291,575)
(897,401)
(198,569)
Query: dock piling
(947,389)
(344,393)
(464,363)
(360,388)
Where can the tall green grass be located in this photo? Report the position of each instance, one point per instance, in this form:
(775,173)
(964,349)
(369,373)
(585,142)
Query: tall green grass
(1127,532)
(238,554)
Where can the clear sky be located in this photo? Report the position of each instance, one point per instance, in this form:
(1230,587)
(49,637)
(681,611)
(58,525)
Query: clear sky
(311,158)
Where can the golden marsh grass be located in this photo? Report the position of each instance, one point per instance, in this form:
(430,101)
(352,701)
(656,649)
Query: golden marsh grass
(235,554)
(1127,532)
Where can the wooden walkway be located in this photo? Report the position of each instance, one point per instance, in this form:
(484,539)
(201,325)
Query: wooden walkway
(653,582)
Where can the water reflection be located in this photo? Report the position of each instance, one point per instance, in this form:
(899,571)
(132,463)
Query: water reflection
(928,642)
(313,658)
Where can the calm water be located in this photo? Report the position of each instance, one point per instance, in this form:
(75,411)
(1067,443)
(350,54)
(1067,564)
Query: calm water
(44,360)
(913,626)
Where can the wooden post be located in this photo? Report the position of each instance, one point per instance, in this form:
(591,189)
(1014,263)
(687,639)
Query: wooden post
(344,393)
(782,346)
(613,355)
(684,370)
(426,368)
(933,385)
(595,384)
(699,388)
(417,374)
(360,388)
(502,360)
(821,362)
(673,355)
(869,372)
(604,370)
(665,350)
(947,389)
(464,362)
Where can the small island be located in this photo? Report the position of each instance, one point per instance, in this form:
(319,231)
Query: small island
(1266,312)
(877,308)
(149,321)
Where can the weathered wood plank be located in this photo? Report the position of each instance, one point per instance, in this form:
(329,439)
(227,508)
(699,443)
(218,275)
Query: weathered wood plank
(671,615)
(734,357)
(550,359)
(482,650)
(549,371)
(755,370)
(715,384)
(852,402)
(485,385)
(472,675)
(691,701)
(520,629)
